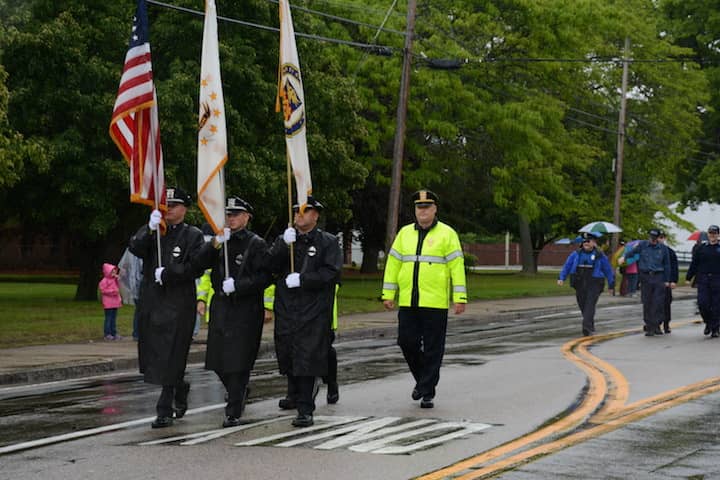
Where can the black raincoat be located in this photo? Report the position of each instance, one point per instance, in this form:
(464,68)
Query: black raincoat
(236,320)
(303,315)
(167,312)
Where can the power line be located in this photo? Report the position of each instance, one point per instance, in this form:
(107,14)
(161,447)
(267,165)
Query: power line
(380,49)
(342,19)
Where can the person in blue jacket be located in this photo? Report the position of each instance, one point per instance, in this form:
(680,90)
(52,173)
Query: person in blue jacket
(588,267)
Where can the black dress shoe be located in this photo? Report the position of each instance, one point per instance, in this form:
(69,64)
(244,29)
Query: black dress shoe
(231,422)
(303,420)
(649,334)
(707,330)
(658,331)
(585,332)
(416,395)
(427,403)
(667,330)
(287,403)
(715,334)
(333,393)
(162,422)
(181,403)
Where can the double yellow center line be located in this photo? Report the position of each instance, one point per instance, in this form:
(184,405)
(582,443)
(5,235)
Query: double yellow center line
(601,410)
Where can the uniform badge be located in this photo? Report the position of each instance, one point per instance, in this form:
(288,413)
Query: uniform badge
(176,251)
(312,251)
(238,259)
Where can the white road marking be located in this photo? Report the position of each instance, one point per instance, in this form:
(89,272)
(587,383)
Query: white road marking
(327,422)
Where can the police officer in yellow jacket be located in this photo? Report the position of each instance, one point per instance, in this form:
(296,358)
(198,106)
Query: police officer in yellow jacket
(424,262)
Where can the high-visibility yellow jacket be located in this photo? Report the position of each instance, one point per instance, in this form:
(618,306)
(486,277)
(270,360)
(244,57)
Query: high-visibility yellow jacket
(205,292)
(440,264)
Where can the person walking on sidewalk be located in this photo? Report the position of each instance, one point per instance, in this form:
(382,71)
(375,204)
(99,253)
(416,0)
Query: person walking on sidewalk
(167,303)
(236,311)
(654,267)
(705,269)
(674,274)
(588,267)
(109,288)
(424,265)
(303,306)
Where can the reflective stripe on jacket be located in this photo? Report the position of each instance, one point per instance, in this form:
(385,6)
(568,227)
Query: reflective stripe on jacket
(441,265)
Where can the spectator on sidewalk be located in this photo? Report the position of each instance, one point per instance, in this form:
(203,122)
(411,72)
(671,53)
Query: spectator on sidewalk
(168,303)
(674,273)
(110,291)
(588,267)
(654,267)
(303,306)
(705,270)
(424,265)
(236,316)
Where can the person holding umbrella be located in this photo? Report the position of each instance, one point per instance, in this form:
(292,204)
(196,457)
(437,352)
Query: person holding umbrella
(588,267)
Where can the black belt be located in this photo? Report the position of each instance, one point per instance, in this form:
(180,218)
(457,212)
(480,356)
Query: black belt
(652,272)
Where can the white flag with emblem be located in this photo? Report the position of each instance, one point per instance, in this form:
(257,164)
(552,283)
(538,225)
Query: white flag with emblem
(212,135)
(292,100)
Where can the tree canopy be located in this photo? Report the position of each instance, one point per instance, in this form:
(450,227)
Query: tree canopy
(512,117)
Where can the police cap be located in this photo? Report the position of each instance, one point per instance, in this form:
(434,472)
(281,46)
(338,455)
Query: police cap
(311,203)
(713,229)
(654,232)
(588,236)
(178,195)
(237,204)
(425,198)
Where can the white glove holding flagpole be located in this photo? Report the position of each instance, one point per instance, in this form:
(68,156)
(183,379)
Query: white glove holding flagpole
(293,280)
(228,285)
(223,237)
(289,235)
(158,274)
(155,219)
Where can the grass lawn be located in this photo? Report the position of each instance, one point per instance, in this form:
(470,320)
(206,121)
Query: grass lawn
(36,312)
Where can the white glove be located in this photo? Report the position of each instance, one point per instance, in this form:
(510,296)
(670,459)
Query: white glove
(223,237)
(229,285)
(158,274)
(293,280)
(155,219)
(289,235)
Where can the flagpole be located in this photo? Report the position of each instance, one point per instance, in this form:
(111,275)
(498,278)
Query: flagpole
(157,197)
(290,213)
(225,250)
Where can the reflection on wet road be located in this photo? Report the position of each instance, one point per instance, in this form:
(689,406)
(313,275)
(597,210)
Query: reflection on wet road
(32,412)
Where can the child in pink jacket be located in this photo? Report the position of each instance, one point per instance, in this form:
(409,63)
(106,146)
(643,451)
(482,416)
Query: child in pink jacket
(110,291)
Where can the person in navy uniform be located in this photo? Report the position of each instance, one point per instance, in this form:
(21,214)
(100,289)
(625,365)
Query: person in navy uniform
(674,274)
(588,267)
(304,299)
(655,272)
(167,303)
(236,311)
(705,268)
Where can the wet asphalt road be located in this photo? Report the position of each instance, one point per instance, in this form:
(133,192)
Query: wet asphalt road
(34,412)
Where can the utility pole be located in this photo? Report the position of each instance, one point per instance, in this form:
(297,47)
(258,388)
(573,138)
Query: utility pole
(399,147)
(620,145)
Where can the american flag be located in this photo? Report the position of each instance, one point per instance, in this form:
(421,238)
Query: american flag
(135,127)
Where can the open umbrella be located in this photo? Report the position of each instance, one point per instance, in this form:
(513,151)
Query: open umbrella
(698,236)
(601,227)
